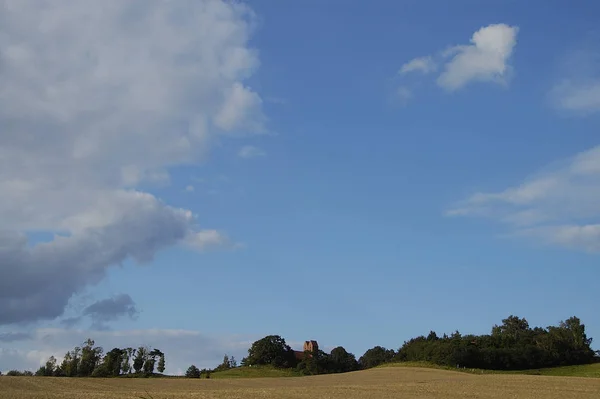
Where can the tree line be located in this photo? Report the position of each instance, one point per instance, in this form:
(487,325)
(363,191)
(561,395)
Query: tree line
(89,360)
(513,345)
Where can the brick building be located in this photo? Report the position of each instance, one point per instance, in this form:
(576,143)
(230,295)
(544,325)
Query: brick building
(309,346)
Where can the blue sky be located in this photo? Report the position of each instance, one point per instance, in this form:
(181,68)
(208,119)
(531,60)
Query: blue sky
(355,173)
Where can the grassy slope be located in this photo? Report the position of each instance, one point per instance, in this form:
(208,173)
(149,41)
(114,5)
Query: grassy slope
(255,372)
(586,370)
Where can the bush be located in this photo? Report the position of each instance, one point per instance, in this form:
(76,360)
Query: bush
(17,373)
(192,372)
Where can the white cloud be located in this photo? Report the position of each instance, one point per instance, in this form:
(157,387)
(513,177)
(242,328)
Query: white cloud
(423,64)
(181,347)
(240,110)
(581,237)
(207,239)
(97,98)
(577,91)
(486,59)
(580,97)
(249,151)
(190,188)
(560,206)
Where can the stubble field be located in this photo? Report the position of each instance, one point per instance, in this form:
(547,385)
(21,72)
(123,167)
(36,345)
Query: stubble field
(375,383)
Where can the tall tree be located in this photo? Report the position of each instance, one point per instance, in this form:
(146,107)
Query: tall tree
(342,361)
(127,357)
(161,363)
(90,358)
(140,358)
(271,350)
(67,365)
(50,366)
(113,361)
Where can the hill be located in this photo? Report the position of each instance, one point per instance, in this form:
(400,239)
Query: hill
(254,372)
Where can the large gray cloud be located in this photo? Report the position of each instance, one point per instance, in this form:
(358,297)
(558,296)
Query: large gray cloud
(97,100)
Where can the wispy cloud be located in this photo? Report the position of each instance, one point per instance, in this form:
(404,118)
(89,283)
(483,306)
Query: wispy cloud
(560,206)
(577,91)
(403,95)
(249,151)
(583,97)
(422,64)
(207,239)
(189,188)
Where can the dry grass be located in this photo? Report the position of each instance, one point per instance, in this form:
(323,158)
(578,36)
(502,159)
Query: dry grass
(376,383)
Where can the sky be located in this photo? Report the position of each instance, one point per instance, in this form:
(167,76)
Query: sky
(196,175)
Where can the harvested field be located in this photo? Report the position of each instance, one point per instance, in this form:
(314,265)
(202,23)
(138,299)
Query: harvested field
(391,382)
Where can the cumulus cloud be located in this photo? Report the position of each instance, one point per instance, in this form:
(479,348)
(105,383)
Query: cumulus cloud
(96,99)
(485,59)
(249,151)
(558,206)
(423,64)
(181,347)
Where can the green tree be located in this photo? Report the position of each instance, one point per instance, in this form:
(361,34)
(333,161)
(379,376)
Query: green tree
(271,350)
(113,361)
(376,356)
(314,363)
(161,363)
(149,366)
(150,361)
(140,358)
(74,359)
(192,372)
(225,364)
(90,358)
(50,366)
(341,361)
(66,365)
(127,357)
